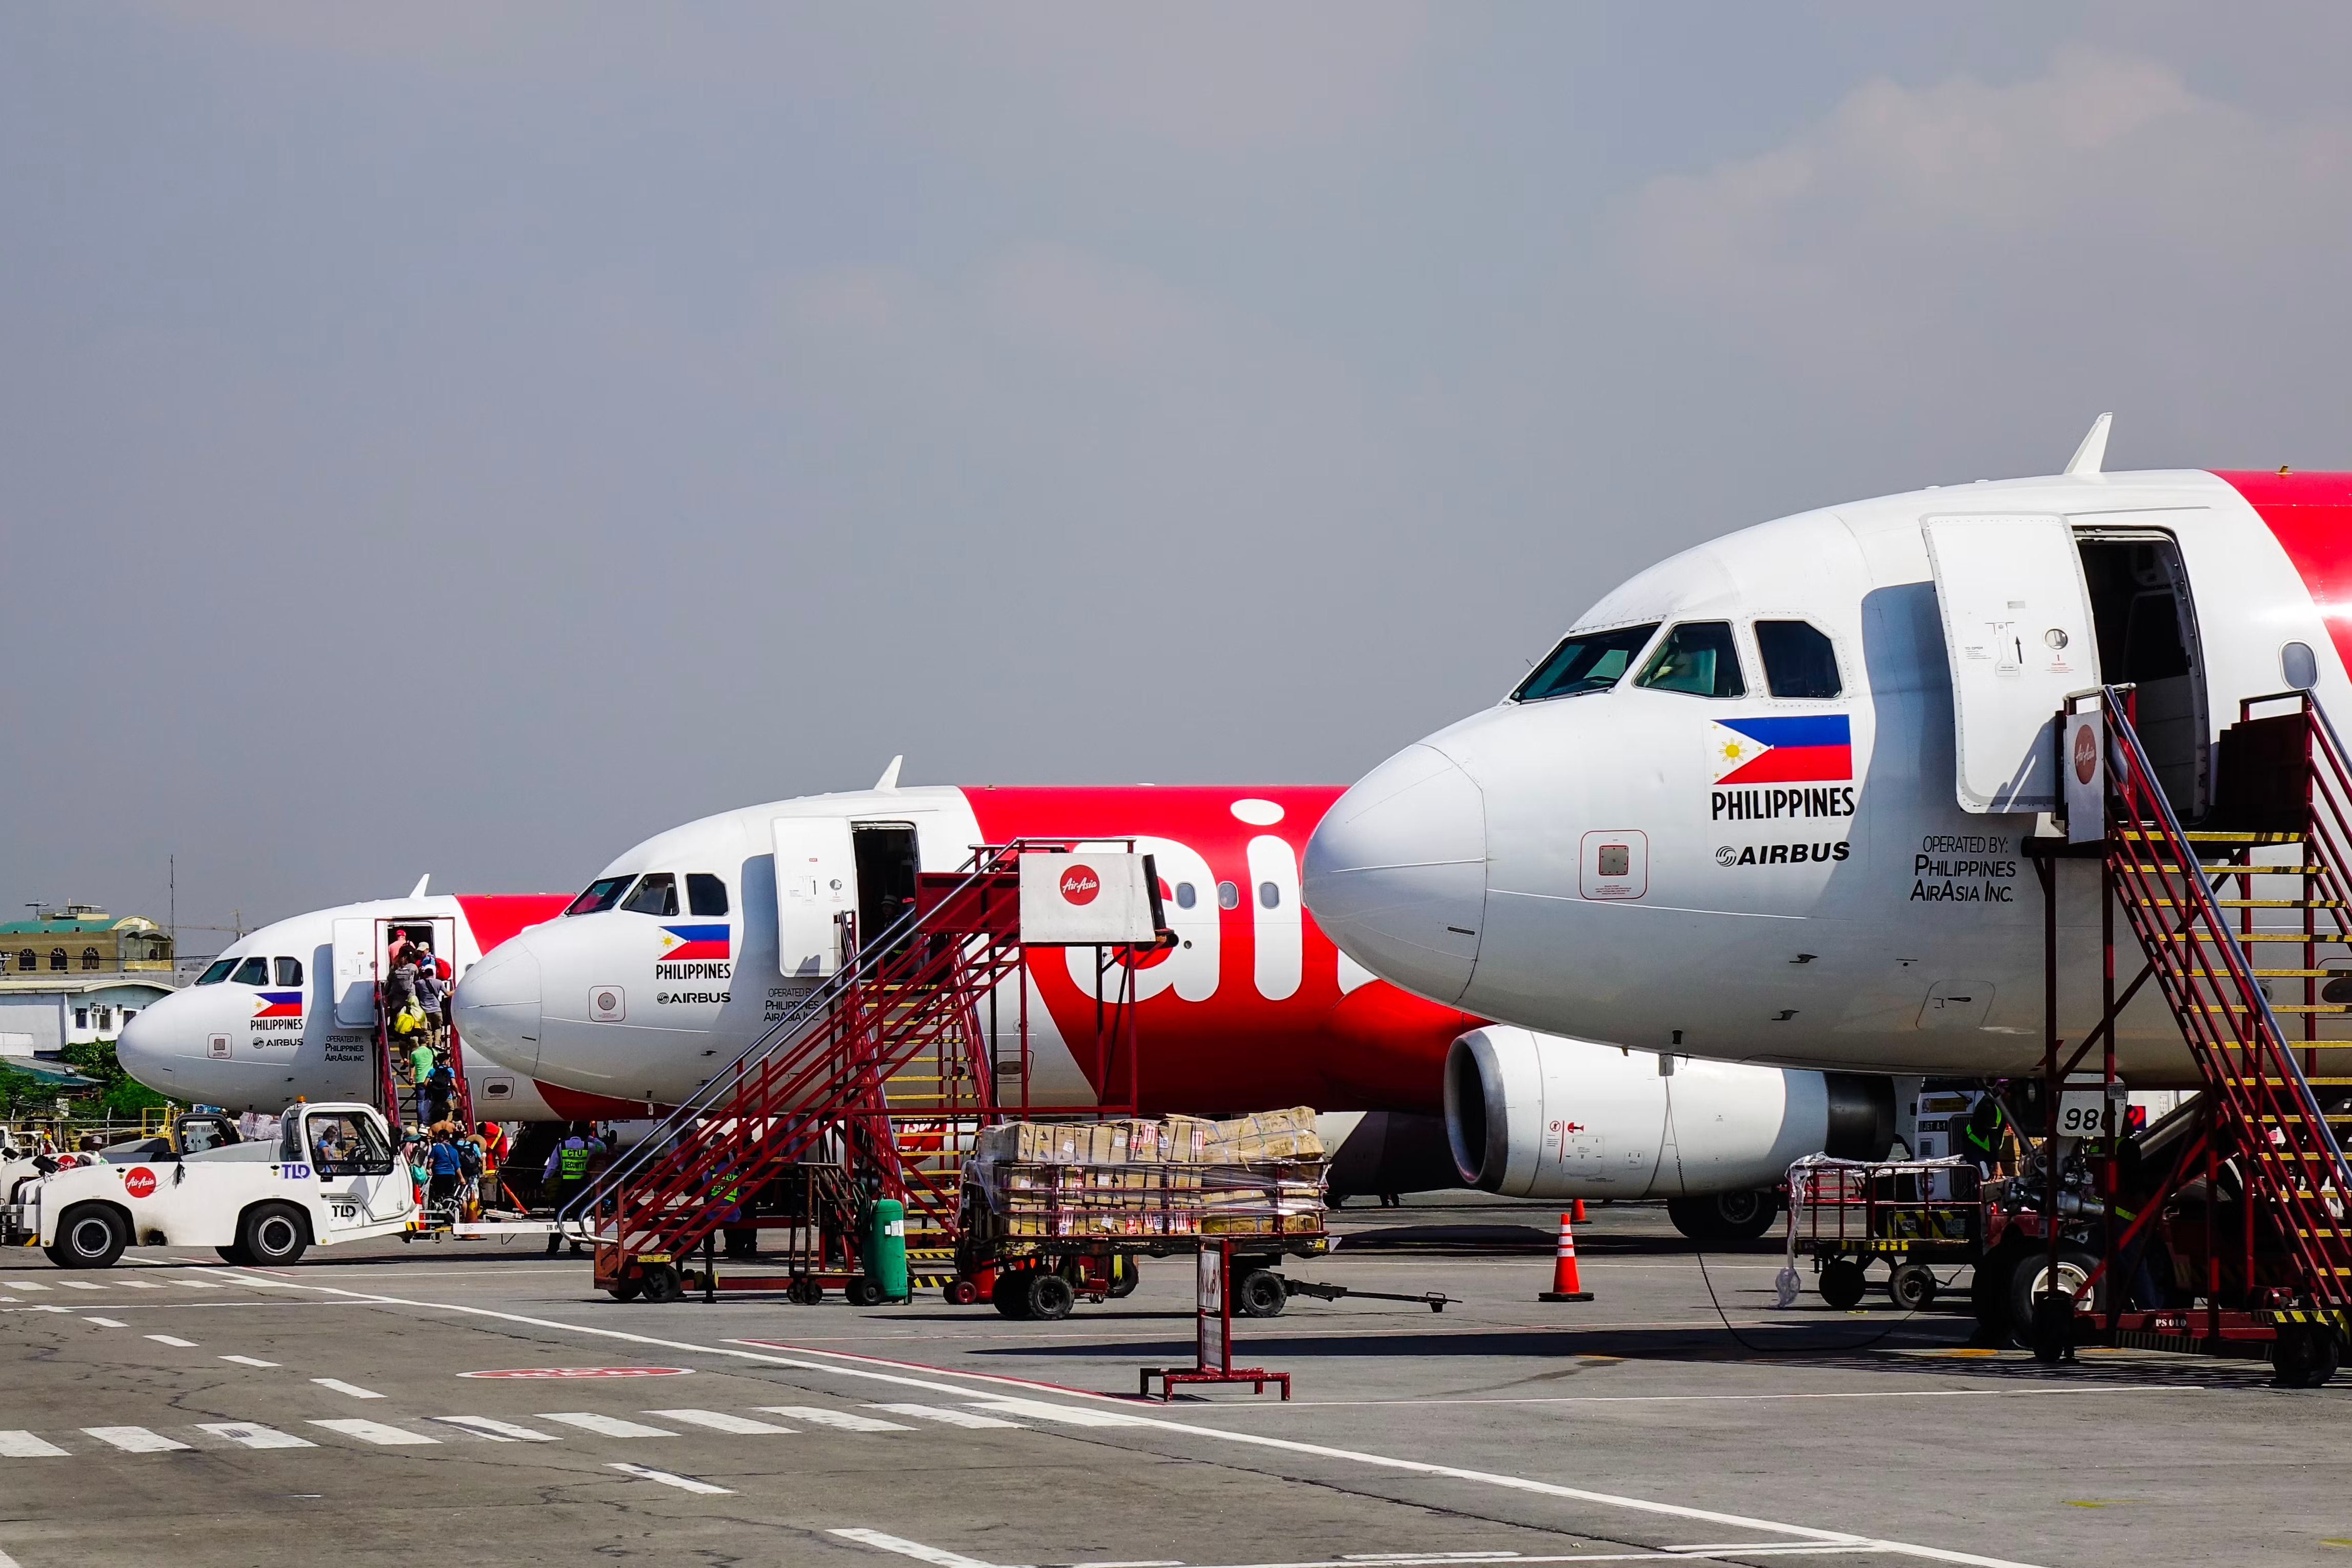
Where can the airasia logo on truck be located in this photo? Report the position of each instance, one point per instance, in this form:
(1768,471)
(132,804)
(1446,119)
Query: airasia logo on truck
(1080,885)
(139,1182)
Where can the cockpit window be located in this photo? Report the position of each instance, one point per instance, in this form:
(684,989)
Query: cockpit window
(1584,661)
(1797,659)
(218,972)
(656,895)
(602,895)
(1698,657)
(705,894)
(252,972)
(289,972)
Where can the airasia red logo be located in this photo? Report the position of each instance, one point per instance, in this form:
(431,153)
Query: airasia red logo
(2086,755)
(139,1182)
(1080,885)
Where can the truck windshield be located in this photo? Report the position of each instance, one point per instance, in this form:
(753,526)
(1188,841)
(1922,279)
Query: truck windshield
(345,1144)
(218,972)
(1584,661)
(602,894)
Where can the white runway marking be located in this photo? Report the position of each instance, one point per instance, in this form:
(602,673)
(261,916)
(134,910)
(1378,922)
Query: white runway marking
(80,1285)
(931,1379)
(135,1439)
(28,1285)
(107,1322)
(683,1483)
(841,1419)
(247,1434)
(195,1284)
(498,1431)
(248,1361)
(720,1421)
(376,1432)
(952,1417)
(175,1343)
(1067,1414)
(138,1285)
(353,1389)
(24,1446)
(609,1426)
(914,1548)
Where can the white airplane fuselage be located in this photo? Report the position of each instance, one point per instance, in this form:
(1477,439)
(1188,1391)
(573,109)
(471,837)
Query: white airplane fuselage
(1832,875)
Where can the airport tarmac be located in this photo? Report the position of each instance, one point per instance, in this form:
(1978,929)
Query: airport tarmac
(177,1410)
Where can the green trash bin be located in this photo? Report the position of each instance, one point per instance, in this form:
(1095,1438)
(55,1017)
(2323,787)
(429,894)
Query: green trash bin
(885,1250)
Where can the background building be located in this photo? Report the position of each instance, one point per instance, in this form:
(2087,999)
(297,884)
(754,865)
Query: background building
(76,976)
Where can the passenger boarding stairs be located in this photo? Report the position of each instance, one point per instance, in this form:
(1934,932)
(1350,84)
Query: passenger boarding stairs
(884,1070)
(2267,874)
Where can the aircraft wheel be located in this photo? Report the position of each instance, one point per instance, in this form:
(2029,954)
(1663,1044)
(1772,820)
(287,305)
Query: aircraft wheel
(662,1282)
(2031,1279)
(2305,1356)
(1989,1298)
(1259,1294)
(1913,1286)
(273,1233)
(89,1235)
(1694,1217)
(1010,1296)
(1744,1217)
(1841,1282)
(1050,1296)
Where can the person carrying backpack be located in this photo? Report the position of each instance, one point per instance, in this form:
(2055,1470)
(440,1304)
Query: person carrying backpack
(566,1173)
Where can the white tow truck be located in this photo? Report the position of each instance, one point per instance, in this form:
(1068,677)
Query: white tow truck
(330,1176)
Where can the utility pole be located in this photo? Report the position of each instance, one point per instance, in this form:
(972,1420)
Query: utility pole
(171,876)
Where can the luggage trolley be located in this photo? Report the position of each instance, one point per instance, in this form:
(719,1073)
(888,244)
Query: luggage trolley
(1912,1214)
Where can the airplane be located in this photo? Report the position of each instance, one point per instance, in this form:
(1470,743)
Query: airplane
(1764,801)
(290,1009)
(684,951)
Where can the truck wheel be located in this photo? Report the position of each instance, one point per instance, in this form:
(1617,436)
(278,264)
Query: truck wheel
(1841,1282)
(237,1255)
(273,1233)
(1010,1296)
(1913,1286)
(625,1289)
(89,1235)
(1050,1296)
(1259,1294)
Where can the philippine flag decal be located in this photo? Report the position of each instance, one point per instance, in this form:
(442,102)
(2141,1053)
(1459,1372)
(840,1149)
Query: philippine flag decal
(1809,748)
(280,1005)
(680,943)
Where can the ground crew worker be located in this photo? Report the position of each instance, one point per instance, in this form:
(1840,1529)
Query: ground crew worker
(566,1173)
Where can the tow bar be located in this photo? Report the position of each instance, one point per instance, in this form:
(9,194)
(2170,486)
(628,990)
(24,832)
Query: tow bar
(1435,1301)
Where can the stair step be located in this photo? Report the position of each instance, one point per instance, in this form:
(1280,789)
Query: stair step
(2282,1007)
(2249,903)
(2245,936)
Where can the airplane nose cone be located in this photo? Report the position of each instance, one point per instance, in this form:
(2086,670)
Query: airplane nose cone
(496,1006)
(1396,872)
(143,1048)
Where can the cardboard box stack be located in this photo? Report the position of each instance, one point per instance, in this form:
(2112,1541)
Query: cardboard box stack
(1178,1176)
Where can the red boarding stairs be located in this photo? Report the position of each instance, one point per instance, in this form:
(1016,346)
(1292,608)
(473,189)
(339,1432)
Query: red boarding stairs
(2191,900)
(881,1076)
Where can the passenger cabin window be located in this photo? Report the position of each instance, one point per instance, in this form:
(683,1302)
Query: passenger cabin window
(289,971)
(1697,658)
(1797,659)
(602,895)
(1228,896)
(252,972)
(1269,896)
(656,895)
(1585,661)
(1185,896)
(217,972)
(705,894)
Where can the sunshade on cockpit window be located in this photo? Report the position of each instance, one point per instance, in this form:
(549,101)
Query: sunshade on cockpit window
(1584,661)
(1698,657)
(252,972)
(602,894)
(1797,659)
(656,895)
(217,972)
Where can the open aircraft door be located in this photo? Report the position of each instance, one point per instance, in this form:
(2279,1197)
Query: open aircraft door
(2017,633)
(356,973)
(816,883)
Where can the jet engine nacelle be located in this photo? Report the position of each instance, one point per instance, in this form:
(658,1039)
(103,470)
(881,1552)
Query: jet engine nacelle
(1540,1116)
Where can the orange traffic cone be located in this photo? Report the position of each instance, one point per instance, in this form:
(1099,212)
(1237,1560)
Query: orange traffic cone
(1577,1208)
(1564,1283)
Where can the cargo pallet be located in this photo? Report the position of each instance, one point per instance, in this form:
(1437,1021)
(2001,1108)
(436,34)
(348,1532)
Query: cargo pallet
(872,1088)
(2268,1257)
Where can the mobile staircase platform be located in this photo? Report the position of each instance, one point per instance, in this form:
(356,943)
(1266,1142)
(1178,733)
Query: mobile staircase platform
(872,1088)
(2269,1254)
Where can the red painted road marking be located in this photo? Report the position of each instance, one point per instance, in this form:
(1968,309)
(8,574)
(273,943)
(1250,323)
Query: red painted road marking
(583,1371)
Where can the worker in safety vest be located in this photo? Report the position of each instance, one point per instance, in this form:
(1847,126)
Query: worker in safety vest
(566,1173)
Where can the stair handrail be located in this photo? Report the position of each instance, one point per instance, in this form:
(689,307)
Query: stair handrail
(986,860)
(2209,909)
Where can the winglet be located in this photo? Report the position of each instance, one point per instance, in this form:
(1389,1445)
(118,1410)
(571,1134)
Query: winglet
(2093,452)
(418,891)
(889,779)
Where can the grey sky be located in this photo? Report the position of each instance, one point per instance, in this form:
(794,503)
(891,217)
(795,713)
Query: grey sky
(469,439)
